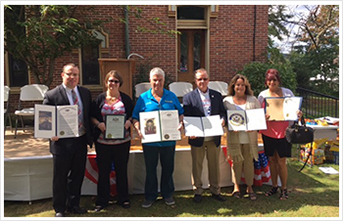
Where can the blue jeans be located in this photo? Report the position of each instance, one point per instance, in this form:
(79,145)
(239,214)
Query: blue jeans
(166,155)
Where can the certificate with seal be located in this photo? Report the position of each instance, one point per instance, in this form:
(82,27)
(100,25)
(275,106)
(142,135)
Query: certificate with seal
(244,120)
(115,126)
(283,108)
(169,124)
(157,126)
(61,121)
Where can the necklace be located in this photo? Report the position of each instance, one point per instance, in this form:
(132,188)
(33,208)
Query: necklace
(112,98)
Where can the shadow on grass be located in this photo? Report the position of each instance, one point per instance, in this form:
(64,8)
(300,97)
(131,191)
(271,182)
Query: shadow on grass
(311,194)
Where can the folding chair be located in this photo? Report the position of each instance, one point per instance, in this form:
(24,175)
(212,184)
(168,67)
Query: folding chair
(141,88)
(220,86)
(7,109)
(180,89)
(33,92)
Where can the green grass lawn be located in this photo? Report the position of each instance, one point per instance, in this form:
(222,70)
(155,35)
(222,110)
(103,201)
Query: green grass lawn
(311,194)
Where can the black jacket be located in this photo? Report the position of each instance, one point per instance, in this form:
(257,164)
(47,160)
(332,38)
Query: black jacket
(97,106)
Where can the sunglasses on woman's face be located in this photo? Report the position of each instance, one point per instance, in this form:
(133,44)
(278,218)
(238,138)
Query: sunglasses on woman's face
(113,81)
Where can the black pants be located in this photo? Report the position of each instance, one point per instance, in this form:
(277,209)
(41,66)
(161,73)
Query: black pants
(69,171)
(105,155)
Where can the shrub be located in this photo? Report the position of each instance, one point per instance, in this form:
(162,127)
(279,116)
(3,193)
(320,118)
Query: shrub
(255,72)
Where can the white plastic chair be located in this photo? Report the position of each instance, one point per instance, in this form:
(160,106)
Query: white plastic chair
(7,109)
(219,86)
(33,92)
(180,88)
(141,88)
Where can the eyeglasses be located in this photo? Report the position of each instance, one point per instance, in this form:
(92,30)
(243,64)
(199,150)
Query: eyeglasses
(201,79)
(71,74)
(113,81)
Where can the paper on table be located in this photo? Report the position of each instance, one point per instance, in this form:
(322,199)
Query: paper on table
(328,170)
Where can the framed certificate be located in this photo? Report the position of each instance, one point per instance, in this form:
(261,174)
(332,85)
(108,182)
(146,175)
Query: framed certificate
(243,120)
(283,108)
(157,126)
(61,121)
(115,126)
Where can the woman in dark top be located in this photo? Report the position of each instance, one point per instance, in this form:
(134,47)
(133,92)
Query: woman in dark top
(112,150)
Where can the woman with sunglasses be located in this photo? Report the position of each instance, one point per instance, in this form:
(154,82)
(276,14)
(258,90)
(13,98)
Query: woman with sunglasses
(109,151)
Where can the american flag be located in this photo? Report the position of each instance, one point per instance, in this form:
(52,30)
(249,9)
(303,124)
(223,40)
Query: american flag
(92,173)
(261,171)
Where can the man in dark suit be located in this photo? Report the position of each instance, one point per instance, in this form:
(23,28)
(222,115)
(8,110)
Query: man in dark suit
(70,154)
(198,103)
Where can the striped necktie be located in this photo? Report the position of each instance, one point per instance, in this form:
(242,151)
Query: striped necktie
(80,115)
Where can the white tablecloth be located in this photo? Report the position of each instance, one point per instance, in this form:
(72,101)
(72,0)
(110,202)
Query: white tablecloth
(30,178)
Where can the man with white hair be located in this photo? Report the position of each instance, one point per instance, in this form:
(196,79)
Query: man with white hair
(158,98)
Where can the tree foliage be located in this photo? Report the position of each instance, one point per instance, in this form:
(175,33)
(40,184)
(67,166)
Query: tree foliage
(314,47)
(316,60)
(255,72)
(38,34)
(277,21)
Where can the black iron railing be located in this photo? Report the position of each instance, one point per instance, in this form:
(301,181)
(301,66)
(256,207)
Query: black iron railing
(315,105)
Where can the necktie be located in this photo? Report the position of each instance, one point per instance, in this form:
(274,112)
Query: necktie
(79,112)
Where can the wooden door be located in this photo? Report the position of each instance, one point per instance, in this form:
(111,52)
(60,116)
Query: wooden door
(125,67)
(191,53)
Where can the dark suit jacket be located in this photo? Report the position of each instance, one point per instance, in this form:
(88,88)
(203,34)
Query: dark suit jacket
(192,105)
(58,96)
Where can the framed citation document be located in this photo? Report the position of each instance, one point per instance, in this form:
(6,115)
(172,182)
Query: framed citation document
(203,126)
(61,121)
(115,126)
(283,108)
(159,126)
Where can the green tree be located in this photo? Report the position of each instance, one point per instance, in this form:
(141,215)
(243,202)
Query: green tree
(255,72)
(38,34)
(315,60)
(277,21)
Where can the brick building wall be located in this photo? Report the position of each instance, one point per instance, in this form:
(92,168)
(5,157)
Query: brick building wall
(231,40)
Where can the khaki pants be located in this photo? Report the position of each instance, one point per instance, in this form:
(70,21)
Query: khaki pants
(247,165)
(212,154)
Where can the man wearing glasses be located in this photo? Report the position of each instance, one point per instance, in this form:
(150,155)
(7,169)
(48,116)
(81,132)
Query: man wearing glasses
(199,103)
(70,154)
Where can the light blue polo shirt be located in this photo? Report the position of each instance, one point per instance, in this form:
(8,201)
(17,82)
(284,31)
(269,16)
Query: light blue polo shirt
(146,102)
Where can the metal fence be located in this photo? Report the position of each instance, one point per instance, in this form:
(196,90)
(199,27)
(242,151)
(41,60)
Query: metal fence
(315,105)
